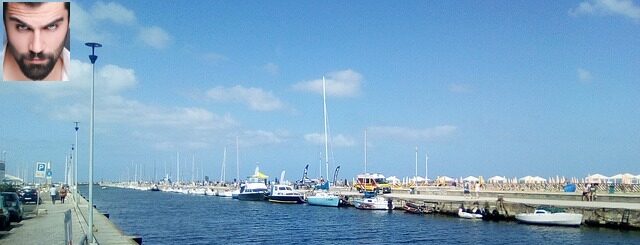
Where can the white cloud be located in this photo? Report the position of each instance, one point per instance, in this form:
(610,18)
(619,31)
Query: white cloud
(584,75)
(90,25)
(113,12)
(337,140)
(400,133)
(189,127)
(256,98)
(110,79)
(271,68)
(84,27)
(607,7)
(460,88)
(154,36)
(344,83)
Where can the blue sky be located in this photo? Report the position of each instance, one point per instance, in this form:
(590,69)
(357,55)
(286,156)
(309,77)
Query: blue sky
(508,88)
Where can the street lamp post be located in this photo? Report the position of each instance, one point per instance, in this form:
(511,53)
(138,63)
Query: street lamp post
(75,167)
(93,57)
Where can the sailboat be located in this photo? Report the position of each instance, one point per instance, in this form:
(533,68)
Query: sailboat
(323,197)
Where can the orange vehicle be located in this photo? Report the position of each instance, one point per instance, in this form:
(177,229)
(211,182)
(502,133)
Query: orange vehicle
(373,183)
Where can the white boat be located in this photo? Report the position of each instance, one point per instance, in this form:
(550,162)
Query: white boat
(468,215)
(285,194)
(209,192)
(324,198)
(197,191)
(546,217)
(253,190)
(373,203)
(225,193)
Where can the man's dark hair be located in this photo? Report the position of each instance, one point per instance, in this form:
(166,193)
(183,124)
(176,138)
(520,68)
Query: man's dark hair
(30,4)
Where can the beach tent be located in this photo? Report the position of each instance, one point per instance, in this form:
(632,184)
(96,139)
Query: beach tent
(497,179)
(393,180)
(597,178)
(625,178)
(538,179)
(471,179)
(525,179)
(446,179)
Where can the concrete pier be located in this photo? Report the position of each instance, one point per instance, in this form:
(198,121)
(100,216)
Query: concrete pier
(616,211)
(44,224)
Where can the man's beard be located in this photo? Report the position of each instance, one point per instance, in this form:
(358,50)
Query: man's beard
(35,71)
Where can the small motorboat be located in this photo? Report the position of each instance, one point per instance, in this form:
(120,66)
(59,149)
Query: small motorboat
(469,214)
(549,216)
(414,208)
(285,194)
(372,201)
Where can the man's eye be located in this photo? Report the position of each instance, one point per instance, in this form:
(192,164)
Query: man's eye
(22,27)
(52,27)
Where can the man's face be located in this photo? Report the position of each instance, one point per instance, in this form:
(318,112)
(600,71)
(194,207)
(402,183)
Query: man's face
(36,36)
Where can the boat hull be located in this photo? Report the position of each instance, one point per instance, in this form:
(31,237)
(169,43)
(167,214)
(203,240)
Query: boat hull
(251,196)
(373,204)
(562,219)
(328,201)
(286,199)
(467,215)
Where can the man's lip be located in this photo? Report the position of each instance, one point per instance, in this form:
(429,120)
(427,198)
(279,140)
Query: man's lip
(36,61)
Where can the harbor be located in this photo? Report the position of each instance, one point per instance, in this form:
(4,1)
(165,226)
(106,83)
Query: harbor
(617,211)
(330,122)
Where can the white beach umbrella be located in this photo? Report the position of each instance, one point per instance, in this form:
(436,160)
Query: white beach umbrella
(497,179)
(525,179)
(596,178)
(446,178)
(538,179)
(471,179)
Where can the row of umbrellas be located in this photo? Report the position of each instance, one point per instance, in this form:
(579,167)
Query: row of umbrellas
(625,178)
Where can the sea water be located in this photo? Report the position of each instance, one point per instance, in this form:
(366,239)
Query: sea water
(172,218)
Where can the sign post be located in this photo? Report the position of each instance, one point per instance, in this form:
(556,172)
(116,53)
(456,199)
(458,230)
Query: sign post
(40,169)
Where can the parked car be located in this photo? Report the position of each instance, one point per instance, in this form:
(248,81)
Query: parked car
(29,195)
(12,203)
(5,223)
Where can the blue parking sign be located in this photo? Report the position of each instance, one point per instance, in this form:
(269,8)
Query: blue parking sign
(41,167)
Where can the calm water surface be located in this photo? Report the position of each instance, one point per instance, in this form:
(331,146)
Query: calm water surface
(171,218)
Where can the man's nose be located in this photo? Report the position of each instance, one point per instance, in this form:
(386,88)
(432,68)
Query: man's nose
(36,44)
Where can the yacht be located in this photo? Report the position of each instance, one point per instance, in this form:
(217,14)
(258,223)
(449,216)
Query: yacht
(285,194)
(546,216)
(253,190)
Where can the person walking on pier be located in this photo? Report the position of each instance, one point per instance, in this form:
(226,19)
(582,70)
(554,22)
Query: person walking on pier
(63,193)
(54,193)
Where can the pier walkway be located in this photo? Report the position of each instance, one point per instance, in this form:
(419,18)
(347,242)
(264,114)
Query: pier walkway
(45,225)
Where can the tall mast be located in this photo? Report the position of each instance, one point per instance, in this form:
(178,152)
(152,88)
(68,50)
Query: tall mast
(237,161)
(223,175)
(193,166)
(426,172)
(178,167)
(326,136)
(365,150)
(416,162)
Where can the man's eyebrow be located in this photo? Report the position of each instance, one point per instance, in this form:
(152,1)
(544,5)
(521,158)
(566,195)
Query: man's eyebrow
(55,21)
(30,26)
(20,21)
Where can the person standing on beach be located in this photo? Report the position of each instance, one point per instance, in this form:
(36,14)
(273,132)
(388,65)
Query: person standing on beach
(477,186)
(54,193)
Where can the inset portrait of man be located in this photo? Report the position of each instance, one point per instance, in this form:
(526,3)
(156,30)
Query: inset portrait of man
(37,41)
